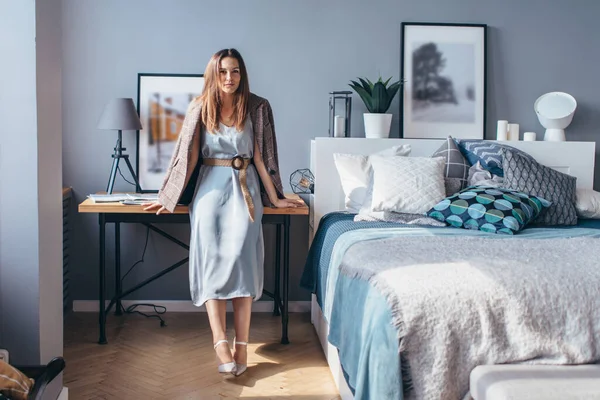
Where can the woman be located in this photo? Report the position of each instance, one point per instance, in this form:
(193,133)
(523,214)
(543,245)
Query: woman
(226,157)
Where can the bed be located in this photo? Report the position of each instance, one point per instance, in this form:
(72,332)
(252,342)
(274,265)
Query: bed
(388,299)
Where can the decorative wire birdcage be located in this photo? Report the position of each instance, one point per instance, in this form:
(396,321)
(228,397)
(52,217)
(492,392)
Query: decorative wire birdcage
(302,181)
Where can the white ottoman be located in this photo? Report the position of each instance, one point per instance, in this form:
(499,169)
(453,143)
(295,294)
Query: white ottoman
(535,382)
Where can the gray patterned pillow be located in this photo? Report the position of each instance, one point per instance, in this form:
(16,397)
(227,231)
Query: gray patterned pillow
(457,165)
(527,175)
(453,185)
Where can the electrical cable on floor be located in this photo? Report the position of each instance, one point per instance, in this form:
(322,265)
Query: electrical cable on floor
(132,308)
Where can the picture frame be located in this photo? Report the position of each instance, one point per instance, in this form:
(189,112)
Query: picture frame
(443,66)
(162,102)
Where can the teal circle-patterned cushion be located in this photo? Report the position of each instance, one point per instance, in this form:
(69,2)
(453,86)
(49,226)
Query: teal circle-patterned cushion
(489,209)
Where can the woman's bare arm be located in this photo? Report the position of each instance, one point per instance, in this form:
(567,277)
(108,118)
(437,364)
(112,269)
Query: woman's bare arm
(268,183)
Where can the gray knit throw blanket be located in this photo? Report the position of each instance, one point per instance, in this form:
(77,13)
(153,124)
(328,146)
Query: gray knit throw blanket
(459,302)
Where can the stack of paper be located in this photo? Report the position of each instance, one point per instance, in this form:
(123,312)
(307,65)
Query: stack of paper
(108,198)
(137,198)
(142,196)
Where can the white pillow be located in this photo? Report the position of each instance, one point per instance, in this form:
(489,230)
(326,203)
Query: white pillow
(588,204)
(407,184)
(355,173)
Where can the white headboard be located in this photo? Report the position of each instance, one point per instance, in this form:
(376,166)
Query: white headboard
(574,158)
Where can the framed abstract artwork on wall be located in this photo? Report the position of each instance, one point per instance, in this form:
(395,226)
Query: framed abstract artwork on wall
(162,101)
(444,72)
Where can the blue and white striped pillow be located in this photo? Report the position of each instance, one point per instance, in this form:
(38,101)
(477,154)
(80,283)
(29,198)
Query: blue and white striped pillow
(487,152)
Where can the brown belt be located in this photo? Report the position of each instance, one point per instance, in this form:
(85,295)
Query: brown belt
(240,164)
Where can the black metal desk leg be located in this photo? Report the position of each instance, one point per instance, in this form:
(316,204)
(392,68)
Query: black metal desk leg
(276,290)
(286,279)
(118,287)
(101,277)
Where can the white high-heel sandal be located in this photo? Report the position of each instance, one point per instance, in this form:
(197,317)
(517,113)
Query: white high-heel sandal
(240,368)
(226,368)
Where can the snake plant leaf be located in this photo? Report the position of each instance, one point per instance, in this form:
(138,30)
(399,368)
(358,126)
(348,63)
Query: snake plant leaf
(364,95)
(368,87)
(380,98)
(376,96)
(362,84)
(393,89)
(391,93)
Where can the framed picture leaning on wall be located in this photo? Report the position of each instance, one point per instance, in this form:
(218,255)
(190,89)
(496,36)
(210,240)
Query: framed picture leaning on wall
(444,70)
(162,102)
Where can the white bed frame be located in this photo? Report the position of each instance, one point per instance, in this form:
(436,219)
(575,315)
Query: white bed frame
(574,158)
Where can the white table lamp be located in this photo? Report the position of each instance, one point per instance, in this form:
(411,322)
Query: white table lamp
(555,112)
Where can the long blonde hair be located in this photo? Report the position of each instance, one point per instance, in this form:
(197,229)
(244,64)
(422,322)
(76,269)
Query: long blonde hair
(211,94)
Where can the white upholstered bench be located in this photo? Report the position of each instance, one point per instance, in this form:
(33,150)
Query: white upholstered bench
(533,382)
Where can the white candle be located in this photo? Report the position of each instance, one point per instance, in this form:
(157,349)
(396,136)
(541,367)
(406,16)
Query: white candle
(529,136)
(502,133)
(338,126)
(513,132)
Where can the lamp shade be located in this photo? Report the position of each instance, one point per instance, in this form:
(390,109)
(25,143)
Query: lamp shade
(120,114)
(555,110)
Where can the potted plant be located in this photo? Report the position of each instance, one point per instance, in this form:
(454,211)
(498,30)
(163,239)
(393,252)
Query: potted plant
(377,98)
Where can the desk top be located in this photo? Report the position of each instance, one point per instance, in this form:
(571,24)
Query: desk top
(88,206)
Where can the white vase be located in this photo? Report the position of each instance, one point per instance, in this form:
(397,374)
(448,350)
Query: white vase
(377,125)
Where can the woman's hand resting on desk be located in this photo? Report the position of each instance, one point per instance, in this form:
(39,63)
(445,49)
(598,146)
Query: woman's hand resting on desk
(151,206)
(285,203)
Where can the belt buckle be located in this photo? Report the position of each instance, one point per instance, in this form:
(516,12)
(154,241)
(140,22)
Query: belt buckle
(237,162)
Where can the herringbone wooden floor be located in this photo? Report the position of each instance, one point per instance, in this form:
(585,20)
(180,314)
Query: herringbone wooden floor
(144,361)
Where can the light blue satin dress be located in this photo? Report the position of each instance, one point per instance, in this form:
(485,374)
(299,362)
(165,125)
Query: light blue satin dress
(226,248)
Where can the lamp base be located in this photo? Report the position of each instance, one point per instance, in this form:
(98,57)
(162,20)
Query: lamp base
(118,155)
(555,135)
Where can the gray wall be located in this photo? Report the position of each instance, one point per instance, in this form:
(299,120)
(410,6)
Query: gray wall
(31,181)
(296,52)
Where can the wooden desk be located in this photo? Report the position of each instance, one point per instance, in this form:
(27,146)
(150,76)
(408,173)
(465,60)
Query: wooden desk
(118,213)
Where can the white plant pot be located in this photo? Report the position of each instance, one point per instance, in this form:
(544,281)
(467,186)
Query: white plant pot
(377,125)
